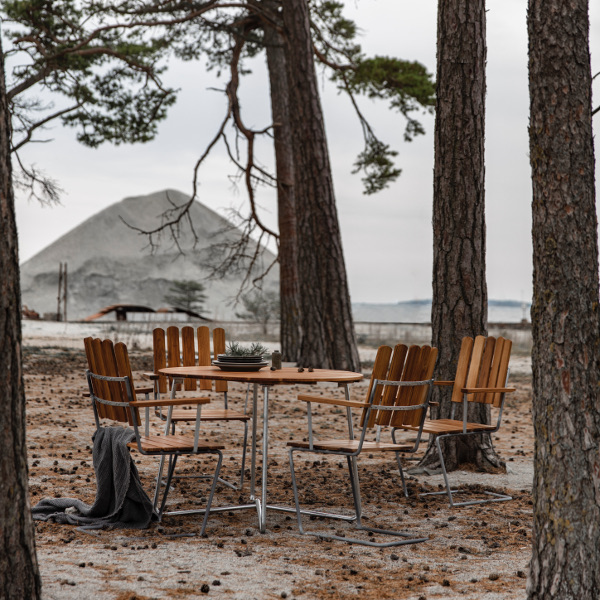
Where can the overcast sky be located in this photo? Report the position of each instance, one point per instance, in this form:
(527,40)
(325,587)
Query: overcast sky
(387,237)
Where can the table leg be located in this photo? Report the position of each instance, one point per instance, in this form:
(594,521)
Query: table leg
(265,460)
(253,460)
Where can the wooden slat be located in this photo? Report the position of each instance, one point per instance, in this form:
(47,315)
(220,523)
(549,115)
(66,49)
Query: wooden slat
(219,348)
(100,387)
(115,390)
(421,370)
(462,369)
(428,366)
(124,370)
(502,369)
(173,351)
(351,446)
(89,353)
(160,357)
(380,370)
(412,372)
(172,401)
(173,443)
(334,401)
(210,414)
(203,334)
(485,368)
(475,366)
(390,393)
(405,394)
(188,355)
(439,426)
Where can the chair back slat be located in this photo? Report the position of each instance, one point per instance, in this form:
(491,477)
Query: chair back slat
(419,367)
(173,349)
(462,369)
(503,354)
(486,360)
(102,389)
(219,348)
(421,370)
(116,393)
(188,355)
(203,334)
(380,371)
(475,366)
(485,370)
(160,357)
(110,361)
(124,370)
(390,392)
(99,387)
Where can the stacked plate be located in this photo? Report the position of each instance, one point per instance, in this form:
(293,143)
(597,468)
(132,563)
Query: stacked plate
(239,363)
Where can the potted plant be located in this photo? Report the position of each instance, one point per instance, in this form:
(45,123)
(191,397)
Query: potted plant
(242,357)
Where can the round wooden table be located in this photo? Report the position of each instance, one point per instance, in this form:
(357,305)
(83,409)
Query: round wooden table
(265,378)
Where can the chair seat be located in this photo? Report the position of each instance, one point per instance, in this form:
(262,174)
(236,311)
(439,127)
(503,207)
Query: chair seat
(350,446)
(209,414)
(144,390)
(440,426)
(173,443)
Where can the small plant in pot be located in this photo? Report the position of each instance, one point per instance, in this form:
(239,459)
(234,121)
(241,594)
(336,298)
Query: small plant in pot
(244,353)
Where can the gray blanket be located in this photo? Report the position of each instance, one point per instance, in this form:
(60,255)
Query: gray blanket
(120,499)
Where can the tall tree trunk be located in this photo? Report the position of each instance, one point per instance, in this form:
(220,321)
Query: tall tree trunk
(566,335)
(328,331)
(19,575)
(459,305)
(290,329)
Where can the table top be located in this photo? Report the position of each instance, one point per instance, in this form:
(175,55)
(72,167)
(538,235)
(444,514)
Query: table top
(286,375)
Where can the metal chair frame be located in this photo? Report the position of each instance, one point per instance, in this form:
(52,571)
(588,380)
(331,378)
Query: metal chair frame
(173,386)
(482,376)
(173,455)
(497,497)
(353,472)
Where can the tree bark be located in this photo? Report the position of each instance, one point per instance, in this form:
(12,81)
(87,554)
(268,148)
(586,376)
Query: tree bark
(289,291)
(566,335)
(459,306)
(328,331)
(19,575)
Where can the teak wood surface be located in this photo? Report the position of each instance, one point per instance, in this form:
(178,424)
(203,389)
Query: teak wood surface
(287,375)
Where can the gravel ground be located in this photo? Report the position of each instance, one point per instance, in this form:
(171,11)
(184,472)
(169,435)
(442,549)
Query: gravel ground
(474,553)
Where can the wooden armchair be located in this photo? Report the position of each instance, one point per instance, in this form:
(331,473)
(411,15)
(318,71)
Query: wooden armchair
(481,376)
(111,391)
(399,391)
(181,350)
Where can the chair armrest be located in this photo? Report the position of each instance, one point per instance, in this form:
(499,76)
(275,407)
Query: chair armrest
(170,402)
(443,383)
(433,403)
(334,401)
(151,376)
(487,390)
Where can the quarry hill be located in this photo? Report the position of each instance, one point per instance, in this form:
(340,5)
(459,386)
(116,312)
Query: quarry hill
(110,263)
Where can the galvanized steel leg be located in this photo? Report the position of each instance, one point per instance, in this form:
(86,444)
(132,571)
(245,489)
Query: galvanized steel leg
(401,474)
(244,454)
(295,490)
(355,485)
(170,471)
(265,460)
(351,436)
(212,491)
(254,423)
(448,488)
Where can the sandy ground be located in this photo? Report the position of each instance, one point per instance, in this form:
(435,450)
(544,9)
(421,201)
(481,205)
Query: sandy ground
(474,553)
